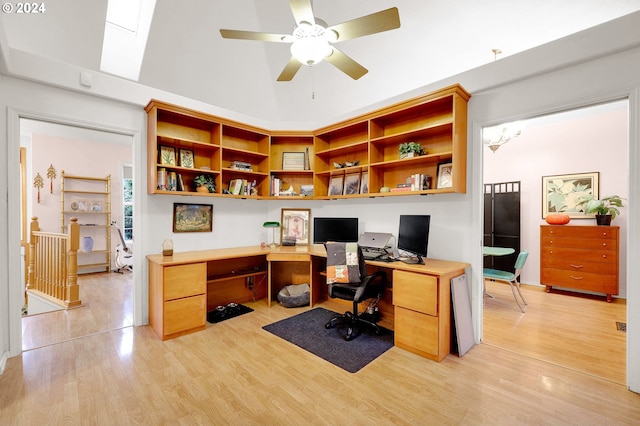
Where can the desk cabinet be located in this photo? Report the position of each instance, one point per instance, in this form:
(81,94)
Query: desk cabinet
(580,257)
(177,298)
(422,317)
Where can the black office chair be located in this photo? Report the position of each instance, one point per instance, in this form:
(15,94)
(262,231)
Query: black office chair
(348,280)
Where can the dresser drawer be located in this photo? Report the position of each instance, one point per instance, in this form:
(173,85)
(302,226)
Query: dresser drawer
(415,331)
(185,280)
(579,280)
(579,265)
(581,243)
(577,257)
(185,314)
(588,232)
(417,292)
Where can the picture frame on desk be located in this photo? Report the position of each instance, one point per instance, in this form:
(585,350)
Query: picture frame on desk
(192,217)
(186,158)
(295,224)
(562,193)
(167,155)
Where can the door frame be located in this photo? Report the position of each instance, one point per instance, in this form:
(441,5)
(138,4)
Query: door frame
(14,115)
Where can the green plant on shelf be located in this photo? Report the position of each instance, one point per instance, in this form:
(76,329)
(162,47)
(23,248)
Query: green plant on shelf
(410,149)
(205,181)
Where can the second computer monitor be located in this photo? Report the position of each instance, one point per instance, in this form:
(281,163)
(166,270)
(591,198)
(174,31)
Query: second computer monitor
(413,235)
(336,229)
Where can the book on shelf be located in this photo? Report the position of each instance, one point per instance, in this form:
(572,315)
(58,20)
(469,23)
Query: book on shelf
(235,186)
(180,183)
(401,189)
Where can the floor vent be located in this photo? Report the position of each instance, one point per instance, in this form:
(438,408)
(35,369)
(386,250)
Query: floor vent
(621,326)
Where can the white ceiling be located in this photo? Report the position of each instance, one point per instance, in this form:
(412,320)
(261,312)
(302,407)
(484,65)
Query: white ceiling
(186,55)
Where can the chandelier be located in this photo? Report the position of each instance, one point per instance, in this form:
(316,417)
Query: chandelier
(496,136)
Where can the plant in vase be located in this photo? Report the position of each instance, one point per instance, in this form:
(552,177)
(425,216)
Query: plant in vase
(205,183)
(410,149)
(605,209)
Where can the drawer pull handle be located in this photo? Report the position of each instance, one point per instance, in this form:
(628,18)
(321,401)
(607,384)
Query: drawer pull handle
(577,266)
(604,256)
(604,244)
(576,278)
(604,234)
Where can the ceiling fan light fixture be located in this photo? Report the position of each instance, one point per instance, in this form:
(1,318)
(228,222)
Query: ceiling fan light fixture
(311,43)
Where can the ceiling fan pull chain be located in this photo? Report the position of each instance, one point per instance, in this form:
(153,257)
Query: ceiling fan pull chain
(313,83)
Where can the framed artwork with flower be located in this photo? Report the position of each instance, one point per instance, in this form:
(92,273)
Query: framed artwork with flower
(563,193)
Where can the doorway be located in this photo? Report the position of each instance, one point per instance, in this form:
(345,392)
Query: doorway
(50,148)
(547,146)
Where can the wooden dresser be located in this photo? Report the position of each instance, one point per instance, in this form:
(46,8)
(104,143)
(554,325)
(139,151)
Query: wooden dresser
(580,257)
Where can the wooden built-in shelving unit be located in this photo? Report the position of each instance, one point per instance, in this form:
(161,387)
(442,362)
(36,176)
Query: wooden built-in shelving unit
(437,121)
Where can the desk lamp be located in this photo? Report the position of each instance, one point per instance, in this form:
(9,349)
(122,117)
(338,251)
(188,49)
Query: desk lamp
(272,225)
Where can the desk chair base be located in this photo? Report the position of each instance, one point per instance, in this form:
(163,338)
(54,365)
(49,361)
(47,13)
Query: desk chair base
(354,322)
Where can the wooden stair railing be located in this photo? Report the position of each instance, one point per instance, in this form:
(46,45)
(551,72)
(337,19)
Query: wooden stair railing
(53,264)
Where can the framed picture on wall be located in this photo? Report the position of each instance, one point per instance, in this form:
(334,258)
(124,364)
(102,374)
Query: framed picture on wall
(192,217)
(295,225)
(563,193)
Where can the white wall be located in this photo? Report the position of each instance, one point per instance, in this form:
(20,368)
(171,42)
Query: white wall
(593,139)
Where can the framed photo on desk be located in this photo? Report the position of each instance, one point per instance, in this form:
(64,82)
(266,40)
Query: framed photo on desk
(295,224)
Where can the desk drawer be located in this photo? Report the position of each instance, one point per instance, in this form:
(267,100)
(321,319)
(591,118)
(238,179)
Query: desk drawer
(185,280)
(185,314)
(287,257)
(418,292)
(415,331)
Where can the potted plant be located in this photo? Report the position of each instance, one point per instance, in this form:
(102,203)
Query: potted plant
(410,149)
(205,183)
(606,209)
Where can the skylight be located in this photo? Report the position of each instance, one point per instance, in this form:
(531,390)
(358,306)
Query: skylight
(125,36)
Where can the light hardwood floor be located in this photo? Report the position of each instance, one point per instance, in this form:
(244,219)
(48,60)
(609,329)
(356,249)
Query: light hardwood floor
(573,331)
(107,304)
(236,373)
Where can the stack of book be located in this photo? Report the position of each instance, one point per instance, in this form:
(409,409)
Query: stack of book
(241,165)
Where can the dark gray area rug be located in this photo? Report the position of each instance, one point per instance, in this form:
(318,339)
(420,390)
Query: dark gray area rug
(307,331)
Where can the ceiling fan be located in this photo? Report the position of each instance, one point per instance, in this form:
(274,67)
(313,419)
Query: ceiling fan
(312,39)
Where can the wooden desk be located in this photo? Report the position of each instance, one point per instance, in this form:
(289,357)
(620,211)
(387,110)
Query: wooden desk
(183,287)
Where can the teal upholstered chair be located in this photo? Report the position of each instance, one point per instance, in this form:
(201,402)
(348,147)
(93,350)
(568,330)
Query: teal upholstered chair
(513,278)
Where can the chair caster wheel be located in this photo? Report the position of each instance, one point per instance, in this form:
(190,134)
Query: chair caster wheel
(328,325)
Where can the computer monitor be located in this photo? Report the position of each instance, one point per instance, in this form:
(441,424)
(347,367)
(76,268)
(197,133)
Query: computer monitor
(413,236)
(338,229)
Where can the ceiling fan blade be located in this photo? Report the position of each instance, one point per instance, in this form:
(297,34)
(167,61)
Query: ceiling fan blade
(346,64)
(378,22)
(302,11)
(290,70)
(252,35)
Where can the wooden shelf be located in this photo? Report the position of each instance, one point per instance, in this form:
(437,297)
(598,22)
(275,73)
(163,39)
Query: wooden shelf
(227,277)
(437,121)
(76,189)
